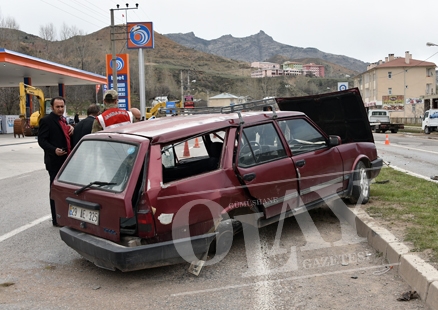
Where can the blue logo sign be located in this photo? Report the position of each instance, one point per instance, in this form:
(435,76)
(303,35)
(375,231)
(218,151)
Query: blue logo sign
(140,35)
(120,63)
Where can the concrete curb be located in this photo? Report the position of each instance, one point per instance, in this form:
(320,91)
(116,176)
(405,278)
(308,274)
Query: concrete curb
(420,275)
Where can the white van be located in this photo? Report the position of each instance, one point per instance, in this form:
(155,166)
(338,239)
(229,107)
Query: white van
(430,121)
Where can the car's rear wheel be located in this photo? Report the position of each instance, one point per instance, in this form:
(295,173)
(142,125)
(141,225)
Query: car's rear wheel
(361,185)
(224,238)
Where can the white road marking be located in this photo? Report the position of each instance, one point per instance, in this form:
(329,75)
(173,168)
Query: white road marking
(24,227)
(278,281)
(412,173)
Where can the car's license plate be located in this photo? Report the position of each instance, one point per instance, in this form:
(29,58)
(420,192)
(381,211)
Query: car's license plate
(82,214)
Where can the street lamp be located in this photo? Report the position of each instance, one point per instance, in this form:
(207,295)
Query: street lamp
(113,42)
(431,44)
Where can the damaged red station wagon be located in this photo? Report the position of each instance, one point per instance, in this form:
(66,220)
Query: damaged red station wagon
(164,191)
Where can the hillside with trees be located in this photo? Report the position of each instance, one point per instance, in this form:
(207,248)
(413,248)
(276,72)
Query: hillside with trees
(206,74)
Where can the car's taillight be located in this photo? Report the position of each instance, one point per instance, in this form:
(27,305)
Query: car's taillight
(146,227)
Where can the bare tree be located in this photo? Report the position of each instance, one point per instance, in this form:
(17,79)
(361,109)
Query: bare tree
(48,33)
(9,101)
(81,45)
(79,98)
(7,23)
(269,86)
(67,32)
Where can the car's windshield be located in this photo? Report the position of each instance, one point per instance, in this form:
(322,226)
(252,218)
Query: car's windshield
(101,161)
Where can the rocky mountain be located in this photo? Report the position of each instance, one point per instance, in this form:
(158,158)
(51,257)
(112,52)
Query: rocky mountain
(260,47)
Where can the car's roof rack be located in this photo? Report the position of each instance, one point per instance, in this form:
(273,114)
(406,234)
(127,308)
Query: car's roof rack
(236,108)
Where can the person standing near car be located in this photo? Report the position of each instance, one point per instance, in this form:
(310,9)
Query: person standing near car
(84,126)
(54,135)
(136,114)
(112,116)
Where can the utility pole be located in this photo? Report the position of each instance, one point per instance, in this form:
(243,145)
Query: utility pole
(113,41)
(113,51)
(182,88)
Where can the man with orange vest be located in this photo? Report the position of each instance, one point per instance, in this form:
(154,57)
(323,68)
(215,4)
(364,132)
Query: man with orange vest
(112,116)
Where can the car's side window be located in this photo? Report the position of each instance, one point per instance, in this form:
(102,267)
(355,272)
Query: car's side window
(260,144)
(301,136)
(193,156)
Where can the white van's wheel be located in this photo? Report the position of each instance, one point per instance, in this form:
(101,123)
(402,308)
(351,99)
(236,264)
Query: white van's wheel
(426,130)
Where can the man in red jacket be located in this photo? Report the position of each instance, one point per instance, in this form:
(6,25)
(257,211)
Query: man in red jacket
(111,116)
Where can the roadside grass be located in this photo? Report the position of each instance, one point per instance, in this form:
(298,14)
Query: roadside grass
(408,201)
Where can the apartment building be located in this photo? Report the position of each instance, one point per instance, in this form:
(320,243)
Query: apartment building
(398,84)
(313,69)
(268,69)
(265,65)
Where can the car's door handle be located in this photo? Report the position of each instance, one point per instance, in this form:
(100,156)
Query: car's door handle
(300,163)
(249,177)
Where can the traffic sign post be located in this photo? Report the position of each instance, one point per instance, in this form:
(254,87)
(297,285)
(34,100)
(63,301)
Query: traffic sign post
(342,86)
(141,35)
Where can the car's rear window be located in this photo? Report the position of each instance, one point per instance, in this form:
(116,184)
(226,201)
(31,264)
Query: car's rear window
(101,161)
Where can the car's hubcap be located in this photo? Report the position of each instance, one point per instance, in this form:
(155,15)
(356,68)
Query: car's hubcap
(364,185)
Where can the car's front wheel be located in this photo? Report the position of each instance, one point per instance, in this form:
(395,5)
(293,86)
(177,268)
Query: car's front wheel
(361,185)
(426,130)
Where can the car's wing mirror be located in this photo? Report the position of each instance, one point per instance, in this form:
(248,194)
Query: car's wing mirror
(334,140)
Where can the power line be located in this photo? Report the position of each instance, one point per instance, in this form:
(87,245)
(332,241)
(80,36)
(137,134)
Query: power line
(91,9)
(75,8)
(70,13)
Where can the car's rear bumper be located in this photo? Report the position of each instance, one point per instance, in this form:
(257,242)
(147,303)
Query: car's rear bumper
(109,255)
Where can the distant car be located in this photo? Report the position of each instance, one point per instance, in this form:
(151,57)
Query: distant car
(132,197)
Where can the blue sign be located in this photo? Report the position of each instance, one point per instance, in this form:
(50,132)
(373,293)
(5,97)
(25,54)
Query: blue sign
(170,107)
(122,89)
(119,62)
(140,35)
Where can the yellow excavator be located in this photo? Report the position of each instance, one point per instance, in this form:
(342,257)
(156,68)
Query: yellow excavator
(154,111)
(30,124)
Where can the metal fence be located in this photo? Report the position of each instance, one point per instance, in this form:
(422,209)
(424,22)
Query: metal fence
(406,120)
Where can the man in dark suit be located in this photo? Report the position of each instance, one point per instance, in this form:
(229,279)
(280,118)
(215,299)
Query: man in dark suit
(84,126)
(54,138)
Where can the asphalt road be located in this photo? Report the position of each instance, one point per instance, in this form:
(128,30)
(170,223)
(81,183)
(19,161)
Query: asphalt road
(318,261)
(414,152)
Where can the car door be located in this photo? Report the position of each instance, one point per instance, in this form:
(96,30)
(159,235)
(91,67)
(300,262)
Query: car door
(265,169)
(193,188)
(319,166)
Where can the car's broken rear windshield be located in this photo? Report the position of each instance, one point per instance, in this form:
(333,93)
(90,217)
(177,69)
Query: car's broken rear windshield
(101,161)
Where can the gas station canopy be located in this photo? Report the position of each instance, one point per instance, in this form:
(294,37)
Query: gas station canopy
(15,67)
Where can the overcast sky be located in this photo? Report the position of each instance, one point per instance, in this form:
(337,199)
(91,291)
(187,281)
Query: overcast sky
(365,30)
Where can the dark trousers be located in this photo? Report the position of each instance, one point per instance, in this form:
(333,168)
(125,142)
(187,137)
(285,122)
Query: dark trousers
(52,174)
